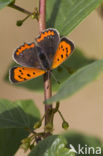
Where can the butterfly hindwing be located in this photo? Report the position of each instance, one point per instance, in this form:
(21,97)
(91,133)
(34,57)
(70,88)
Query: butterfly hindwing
(64,50)
(48,40)
(26,55)
(20,74)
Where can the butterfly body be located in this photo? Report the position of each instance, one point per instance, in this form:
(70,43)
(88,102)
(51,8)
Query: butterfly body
(46,53)
(43,59)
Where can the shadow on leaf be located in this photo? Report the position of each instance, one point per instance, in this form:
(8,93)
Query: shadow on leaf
(56,7)
(10,140)
(15,118)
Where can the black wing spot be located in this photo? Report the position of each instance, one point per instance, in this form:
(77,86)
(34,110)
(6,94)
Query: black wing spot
(20,71)
(57,59)
(61,46)
(28,75)
(25,79)
(66,55)
(20,77)
(63,49)
(34,73)
(61,56)
(66,49)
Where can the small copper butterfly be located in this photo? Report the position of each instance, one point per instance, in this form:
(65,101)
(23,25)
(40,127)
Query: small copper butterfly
(46,53)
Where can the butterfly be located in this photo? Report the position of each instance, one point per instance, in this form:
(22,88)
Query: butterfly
(45,54)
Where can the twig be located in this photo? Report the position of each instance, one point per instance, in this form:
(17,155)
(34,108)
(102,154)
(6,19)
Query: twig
(20,9)
(61,115)
(47,76)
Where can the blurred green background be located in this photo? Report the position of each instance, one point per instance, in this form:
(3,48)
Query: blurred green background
(84,110)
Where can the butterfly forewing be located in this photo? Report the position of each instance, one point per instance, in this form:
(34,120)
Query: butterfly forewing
(48,40)
(64,50)
(26,55)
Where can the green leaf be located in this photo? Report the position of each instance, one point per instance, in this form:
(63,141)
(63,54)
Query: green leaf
(10,140)
(65,15)
(4,3)
(76,139)
(77,80)
(51,146)
(18,114)
(14,118)
(76,61)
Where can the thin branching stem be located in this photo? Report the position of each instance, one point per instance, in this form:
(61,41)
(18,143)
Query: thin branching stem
(20,9)
(61,115)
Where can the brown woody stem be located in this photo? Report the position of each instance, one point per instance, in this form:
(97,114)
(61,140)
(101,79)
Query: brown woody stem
(47,75)
(42,13)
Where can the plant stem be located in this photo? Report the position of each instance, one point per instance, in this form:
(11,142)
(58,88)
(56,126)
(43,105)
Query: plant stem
(20,9)
(47,95)
(42,13)
(61,115)
(47,75)
(26,18)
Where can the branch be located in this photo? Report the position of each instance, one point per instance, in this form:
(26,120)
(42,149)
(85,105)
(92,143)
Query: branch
(20,9)
(47,76)
(42,13)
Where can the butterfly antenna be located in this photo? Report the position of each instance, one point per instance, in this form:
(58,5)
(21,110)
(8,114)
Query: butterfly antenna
(54,77)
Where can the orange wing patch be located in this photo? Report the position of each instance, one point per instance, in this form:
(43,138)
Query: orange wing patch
(20,74)
(45,34)
(24,47)
(64,50)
